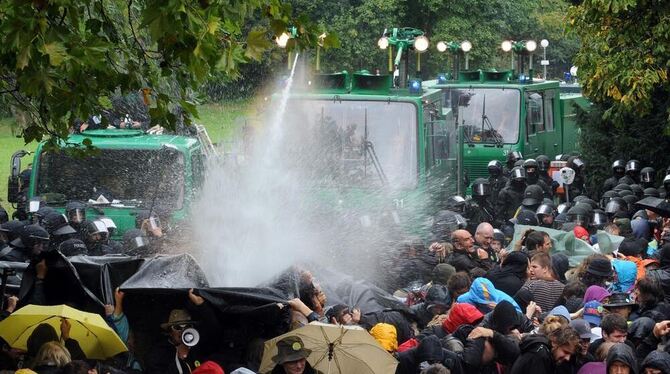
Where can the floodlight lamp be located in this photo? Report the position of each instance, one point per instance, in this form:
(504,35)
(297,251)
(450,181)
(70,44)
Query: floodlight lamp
(441,46)
(421,43)
(531,45)
(383,42)
(573,71)
(506,46)
(544,43)
(282,40)
(466,46)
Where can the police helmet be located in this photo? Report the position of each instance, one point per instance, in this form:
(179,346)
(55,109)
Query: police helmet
(135,242)
(637,190)
(562,208)
(651,192)
(545,210)
(456,203)
(647,174)
(96,227)
(513,157)
(599,218)
(621,187)
(580,215)
(666,183)
(495,167)
(29,235)
(531,166)
(619,167)
(630,200)
(481,187)
(633,166)
(532,196)
(109,223)
(615,205)
(624,193)
(607,196)
(56,224)
(75,211)
(518,174)
(42,212)
(543,163)
(575,163)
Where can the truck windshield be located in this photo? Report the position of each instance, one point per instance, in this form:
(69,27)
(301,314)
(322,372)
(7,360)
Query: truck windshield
(123,175)
(361,143)
(489,115)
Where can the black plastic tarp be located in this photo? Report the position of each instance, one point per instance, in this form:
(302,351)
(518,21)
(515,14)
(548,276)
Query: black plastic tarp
(102,274)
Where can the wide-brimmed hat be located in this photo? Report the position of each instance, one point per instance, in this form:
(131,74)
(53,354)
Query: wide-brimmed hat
(177,316)
(620,299)
(291,348)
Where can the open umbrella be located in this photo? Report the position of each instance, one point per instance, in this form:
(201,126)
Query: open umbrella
(96,338)
(336,350)
(656,205)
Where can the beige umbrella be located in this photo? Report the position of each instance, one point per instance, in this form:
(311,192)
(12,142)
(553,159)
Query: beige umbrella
(336,350)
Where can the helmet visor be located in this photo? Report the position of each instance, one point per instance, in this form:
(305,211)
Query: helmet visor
(77,215)
(480,189)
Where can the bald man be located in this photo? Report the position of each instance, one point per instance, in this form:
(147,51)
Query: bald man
(467,257)
(483,238)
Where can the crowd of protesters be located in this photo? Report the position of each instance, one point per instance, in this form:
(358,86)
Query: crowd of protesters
(470,299)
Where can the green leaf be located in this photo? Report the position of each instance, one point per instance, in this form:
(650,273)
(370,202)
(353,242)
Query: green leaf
(23,59)
(56,51)
(105,102)
(257,43)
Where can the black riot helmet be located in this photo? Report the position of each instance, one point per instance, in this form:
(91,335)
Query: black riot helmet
(622,187)
(495,168)
(75,212)
(531,167)
(41,213)
(32,238)
(518,174)
(651,192)
(513,157)
(446,222)
(615,205)
(96,232)
(624,193)
(562,208)
(580,215)
(647,174)
(630,200)
(545,209)
(599,219)
(619,168)
(456,204)
(633,167)
(607,196)
(481,188)
(543,163)
(575,163)
(637,190)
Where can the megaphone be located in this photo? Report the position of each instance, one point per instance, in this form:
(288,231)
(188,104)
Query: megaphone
(567,175)
(190,337)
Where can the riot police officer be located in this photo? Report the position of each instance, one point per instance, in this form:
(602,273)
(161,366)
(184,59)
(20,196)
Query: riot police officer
(512,158)
(632,176)
(647,177)
(577,187)
(478,208)
(511,196)
(497,181)
(543,164)
(533,176)
(618,171)
(545,214)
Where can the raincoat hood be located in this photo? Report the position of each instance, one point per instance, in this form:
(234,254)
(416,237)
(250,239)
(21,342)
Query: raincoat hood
(442,273)
(626,275)
(482,293)
(658,360)
(621,352)
(595,293)
(534,343)
(516,263)
(461,314)
(385,334)
(504,317)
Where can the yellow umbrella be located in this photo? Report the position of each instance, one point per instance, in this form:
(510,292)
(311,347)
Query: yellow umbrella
(96,338)
(336,350)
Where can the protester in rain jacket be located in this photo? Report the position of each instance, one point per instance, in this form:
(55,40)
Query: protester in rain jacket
(657,360)
(485,296)
(621,355)
(429,351)
(512,273)
(540,354)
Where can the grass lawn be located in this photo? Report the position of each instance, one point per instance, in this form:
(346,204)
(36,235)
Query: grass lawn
(221,121)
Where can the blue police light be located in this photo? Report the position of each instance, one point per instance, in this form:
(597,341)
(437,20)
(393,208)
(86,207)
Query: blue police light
(441,78)
(414,86)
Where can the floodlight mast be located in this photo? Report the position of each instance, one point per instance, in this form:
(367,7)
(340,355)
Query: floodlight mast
(402,39)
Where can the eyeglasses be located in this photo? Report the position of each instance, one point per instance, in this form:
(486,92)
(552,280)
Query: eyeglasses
(181,326)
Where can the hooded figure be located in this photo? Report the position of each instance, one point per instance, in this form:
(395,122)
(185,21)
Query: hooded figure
(657,360)
(535,353)
(511,274)
(429,351)
(626,275)
(560,265)
(621,354)
(461,314)
(485,296)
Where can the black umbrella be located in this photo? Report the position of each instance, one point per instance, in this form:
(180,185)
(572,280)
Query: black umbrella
(656,205)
